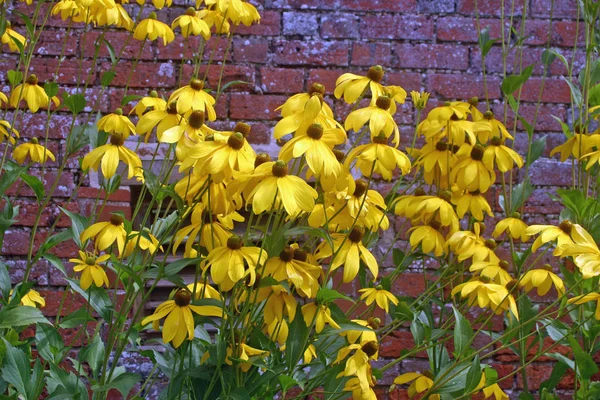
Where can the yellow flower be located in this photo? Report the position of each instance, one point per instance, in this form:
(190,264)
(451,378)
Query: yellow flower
(503,156)
(487,295)
(5,132)
(352,86)
(159,4)
(152,101)
(348,250)
(359,390)
(577,146)
(379,158)
(111,13)
(33,298)
(179,323)
(362,336)
(227,263)
(588,297)
(564,234)
(11,38)
(437,208)
(379,295)
(542,279)
(211,231)
(492,390)
(310,353)
(515,228)
(429,237)
(189,132)
(204,291)
(117,123)
(291,265)
(109,155)
(193,97)
(191,24)
(197,188)
(143,240)
(33,94)
(473,202)
(495,271)
(35,151)
(214,18)
(584,251)
(470,172)
(420,383)
(437,160)
(244,352)
(162,119)
(279,303)
(419,99)
(318,315)
(379,117)
(91,270)
(467,244)
(316,146)
(69,9)
(277,188)
(495,129)
(106,233)
(366,207)
(152,29)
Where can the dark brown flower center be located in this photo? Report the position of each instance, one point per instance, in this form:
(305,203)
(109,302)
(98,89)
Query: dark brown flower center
(280,169)
(380,139)
(315,131)
(512,285)
(234,242)
(477,152)
(339,155)
(196,119)
(474,101)
(191,11)
(183,297)
(374,322)
(435,224)
(566,226)
(261,158)
(172,108)
(300,255)
(242,128)
(490,244)
(375,73)
(419,192)
(196,84)
(116,220)
(504,264)
(496,141)
(236,141)
(356,234)
(361,188)
(370,348)
(441,146)
(32,79)
(488,115)
(117,139)
(316,88)
(383,102)
(287,254)
(445,195)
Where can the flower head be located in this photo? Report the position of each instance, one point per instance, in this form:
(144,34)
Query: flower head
(380,296)
(107,156)
(32,299)
(107,233)
(91,270)
(33,94)
(32,150)
(152,29)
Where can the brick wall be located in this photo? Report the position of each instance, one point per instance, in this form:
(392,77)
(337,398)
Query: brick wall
(422,44)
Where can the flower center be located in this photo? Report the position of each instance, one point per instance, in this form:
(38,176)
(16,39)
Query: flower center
(196,119)
(316,88)
(504,264)
(356,234)
(235,242)
(172,108)
(488,115)
(419,192)
(441,146)
(370,348)
(361,188)
(490,244)
(383,102)
(380,139)
(374,322)
(183,297)
(153,94)
(445,195)
(242,128)
(375,73)
(287,254)
(566,226)
(119,111)
(191,11)
(300,255)
(435,224)
(477,152)
(261,158)
(90,260)
(116,220)
(152,15)
(280,169)
(496,141)
(32,79)
(236,141)
(196,84)
(339,155)
(315,131)
(474,101)
(512,285)
(35,140)
(547,267)
(117,140)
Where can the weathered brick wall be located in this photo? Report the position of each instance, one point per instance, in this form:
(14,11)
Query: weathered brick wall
(422,44)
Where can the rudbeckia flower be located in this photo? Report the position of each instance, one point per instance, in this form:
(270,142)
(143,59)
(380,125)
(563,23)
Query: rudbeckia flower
(32,150)
(379,117)
(193,97)
(473,202)
(191,24)
(203,190)
(179,323)
(514,227)
(429,237)
(494,271)
(143,240)
(70,9)
(277,189)
(244,352)
(419,99)
(291,265)
(161,118)
(191,129)
(584,251)
(349,250)
(366,207)
(33,94)
(564,234)
(10,37)
(201,290)
(5,132)
(318,315)
(214,18)
(504,157)
(111,14)
(159,4)
(309,354)
(116,123)
(437,207)
(228,263)
(492,390)
(437,160)
(471,173)
(380,296)
(152,101)
(279,303)
(576,146)
(379,158)
(588,297)
(420,383)
(106,233)
(32,299)
(352,86)
(496,128)
(487,295)
(152,29)
(91,270)
(109,155)
(208,228)
(542,279)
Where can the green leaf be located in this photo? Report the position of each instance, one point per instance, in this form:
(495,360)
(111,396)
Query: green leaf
(78,224)
(548,57)
(123,383)
(311,232)
(75,103)
(485,43)
(520,193)
(48,342)
(463,333)
(107,78)
(326,296)
(575,92)
(28,23)
(10,175)
(286,383)
(111,52)
(76,319)
(15,369)
(14,77)
(512,83)
(537,149)
(229,84)
(11,317)
(176,266)
(35,184)
(98,299)
(129,98)
(239,394)
(558,372)
(93,354)
(473,375)
(79,138)
(65,385)
(565,128)
(297,340)
(5,283)
(586,366)
(403,312)
(51,88)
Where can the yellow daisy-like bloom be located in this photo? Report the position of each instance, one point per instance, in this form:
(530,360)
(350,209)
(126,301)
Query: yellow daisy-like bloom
(584,251)
(202,290)
(152,101)
(111,13)
(514,227)
(152,29)
(487,295)
(291,265)
(279,303)
(359,391)
(208,227)
(244,352)
(380,296)
(197,188)
(280,189)
(366,207)
(32,150)
(576,146)
(420,383)
(437,160)
(117,123)
(352,86)
(406,205)
(33,94)
(143,240)
(473,202)
(228,263)
(5,132)
(193,97)
(191,24)
(379,117)
(438,208)
(316,146)
(159,4)
(69,9)
(419,99)
(564,234)
(504,157)
(588,297)
(310,353)
(492,390)
(162,119)
(106,233)
(470,173)
(494,271)
(319,315)
(189,132)
(214,18)
(379,158)
(349,251)
(362,336)
(179,323)
(11,36)
(32,299)
(107,156)
(542,279)
(91,270)
(429,237)
(496,128)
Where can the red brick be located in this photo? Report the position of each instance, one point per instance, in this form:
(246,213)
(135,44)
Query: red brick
(561,9)
(252,50)
(123,195)
(183,50)
(367,54)
(564,33)
(65,187)
(546,172)
(117,40)
(358,5)
(300,23)
(311,52)
(340,25)
(489,7)
(270,22)
(386,26)
(282,80)
(51,43)
(464,29)
(554,90)
(409,284)
(163,75)
(544,120)
(461,87)
(255,107)
(437,56)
